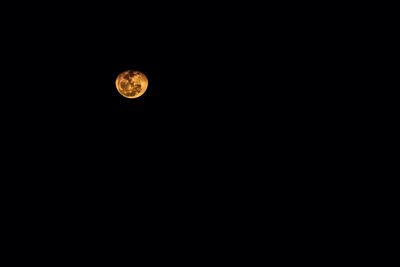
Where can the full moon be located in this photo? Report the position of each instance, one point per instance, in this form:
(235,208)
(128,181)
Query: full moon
(132,84)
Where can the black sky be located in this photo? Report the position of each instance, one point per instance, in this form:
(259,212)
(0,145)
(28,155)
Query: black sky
(199,60)
(236,99)
(234,77)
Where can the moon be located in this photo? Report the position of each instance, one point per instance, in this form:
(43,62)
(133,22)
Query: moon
(131,83)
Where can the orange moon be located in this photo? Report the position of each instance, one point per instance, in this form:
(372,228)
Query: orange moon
(132,84)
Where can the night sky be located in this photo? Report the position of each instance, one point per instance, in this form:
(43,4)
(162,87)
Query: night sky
(236,119)
(203,62)
(219,83)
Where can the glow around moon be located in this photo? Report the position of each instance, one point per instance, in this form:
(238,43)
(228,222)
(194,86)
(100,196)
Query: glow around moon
(131,84)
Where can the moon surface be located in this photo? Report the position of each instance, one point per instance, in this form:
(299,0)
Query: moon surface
(132,84)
